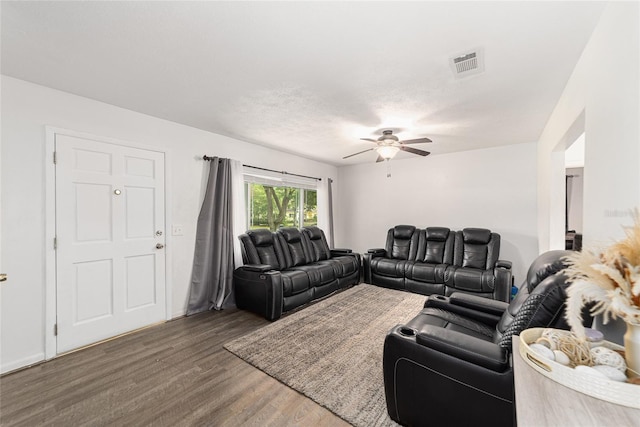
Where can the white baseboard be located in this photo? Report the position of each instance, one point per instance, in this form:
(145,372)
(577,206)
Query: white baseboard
(30,360)
(177,314)
(21,363)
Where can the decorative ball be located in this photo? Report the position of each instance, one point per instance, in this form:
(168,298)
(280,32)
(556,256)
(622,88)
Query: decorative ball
(545,342)
(543,351)
(553,337)
(611,373)
(561,358)
(608,357)
(594,337)
(588,370)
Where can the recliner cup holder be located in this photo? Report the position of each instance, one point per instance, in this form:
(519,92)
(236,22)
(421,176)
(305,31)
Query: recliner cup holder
(407,332)
(440,297)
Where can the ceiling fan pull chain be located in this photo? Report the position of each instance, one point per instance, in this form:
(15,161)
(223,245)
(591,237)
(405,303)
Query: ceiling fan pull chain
(388,168)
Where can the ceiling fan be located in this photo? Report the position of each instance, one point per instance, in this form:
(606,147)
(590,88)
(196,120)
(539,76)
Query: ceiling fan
(388,146)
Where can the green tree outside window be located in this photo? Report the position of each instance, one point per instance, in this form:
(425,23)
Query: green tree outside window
(273,207)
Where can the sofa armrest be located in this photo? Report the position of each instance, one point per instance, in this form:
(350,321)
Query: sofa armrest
(503,282)
(261,268)
(377,252)
(472,312)
(259,291)
(366,262)
(464,347)
(501,263)
(340,251)
(475,302)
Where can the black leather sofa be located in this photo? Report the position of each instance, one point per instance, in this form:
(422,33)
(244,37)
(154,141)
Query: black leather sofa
(437,260)
(450,365)
(289,268)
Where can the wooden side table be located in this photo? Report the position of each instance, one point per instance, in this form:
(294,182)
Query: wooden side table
(540,402)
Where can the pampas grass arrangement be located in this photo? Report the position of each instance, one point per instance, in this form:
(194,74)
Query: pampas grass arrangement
(609,278)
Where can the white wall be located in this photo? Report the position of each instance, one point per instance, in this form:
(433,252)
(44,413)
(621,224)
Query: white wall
(602,99)
(26,109)
(492,188)
(574,155)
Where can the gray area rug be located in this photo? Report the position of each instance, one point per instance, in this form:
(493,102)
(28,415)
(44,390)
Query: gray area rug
(332,351)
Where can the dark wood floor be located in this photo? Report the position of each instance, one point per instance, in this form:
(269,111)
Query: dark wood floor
(172,374)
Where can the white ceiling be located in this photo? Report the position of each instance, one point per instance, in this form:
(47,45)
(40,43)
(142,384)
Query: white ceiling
(310,77)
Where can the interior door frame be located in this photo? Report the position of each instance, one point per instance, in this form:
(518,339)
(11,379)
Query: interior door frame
(50,309)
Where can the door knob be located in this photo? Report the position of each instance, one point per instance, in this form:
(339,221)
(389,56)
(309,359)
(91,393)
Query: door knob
(159,246)
(3,277)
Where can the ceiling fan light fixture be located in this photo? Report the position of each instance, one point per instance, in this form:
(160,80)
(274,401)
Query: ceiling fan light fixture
(387,151)
(388,145)
(388,137)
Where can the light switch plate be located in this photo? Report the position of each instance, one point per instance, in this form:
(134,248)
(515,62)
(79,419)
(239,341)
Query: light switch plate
(177,230)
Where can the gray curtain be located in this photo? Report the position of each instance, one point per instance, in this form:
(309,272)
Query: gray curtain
(330,197)
(212,274)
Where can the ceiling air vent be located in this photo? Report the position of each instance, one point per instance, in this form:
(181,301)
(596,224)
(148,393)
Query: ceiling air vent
(467,63)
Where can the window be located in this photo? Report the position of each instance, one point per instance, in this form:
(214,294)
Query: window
(273,203)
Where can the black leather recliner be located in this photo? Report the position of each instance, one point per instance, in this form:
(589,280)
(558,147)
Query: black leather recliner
(426,275)
(385,267)
(289,268)
(437,260)
(476,267)
(345,263)
(450,365)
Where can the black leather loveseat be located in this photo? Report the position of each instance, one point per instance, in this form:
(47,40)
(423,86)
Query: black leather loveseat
(450,365)
(437,260)
(290,268)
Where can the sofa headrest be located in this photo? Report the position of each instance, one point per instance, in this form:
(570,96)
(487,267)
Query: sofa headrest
(261,237)
(438,234)
(476,235)
(403,231)
(314,233)
(547,264)
(544,307)
(290,234)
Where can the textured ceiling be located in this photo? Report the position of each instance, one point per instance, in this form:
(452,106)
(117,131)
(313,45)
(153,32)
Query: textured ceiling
(310,77)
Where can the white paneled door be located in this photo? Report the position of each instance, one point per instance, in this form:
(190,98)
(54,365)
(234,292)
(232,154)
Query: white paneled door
(110,237)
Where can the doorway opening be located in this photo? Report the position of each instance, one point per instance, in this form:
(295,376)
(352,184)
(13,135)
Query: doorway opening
(574,192)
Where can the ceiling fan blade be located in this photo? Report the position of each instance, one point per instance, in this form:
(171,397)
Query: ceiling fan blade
(359,152)
(379,159)
(416,141)
(369,139)
(415,151)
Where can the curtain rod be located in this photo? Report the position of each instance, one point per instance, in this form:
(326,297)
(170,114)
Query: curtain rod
(208,158)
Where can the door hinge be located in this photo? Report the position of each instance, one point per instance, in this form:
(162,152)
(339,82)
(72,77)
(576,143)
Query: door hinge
(55,243)
(55,330)
(55,157)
